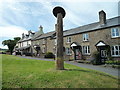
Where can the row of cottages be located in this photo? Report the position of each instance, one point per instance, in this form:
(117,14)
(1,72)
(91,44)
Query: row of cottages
(79,43)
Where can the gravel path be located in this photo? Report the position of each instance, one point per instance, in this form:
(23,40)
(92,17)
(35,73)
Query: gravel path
(108,70)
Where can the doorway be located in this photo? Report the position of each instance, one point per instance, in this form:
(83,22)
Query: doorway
(77,54)
(77,50)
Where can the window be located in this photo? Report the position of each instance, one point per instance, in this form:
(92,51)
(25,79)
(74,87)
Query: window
(43,50)
(86,50)
(115,50)
(68,39)
(85,37)
(68,51)
(103,53)
(54,50)
(115,32)
(27,43)
(55,41)
(43,41)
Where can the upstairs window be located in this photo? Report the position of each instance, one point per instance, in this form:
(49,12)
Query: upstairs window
(115,32)
(86,50)
(68,39)
(115,50)
(43,41)
(85,37)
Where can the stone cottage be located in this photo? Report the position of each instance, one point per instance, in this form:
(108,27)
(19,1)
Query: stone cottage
(24,45)
(82,42)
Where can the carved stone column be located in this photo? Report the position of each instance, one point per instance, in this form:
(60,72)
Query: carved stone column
(59,13)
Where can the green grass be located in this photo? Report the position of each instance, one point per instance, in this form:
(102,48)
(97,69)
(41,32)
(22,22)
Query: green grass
(27,73)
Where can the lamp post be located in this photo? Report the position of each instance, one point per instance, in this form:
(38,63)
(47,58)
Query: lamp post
(59,13)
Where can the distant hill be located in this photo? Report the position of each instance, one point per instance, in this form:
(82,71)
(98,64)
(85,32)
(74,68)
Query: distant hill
(3,50)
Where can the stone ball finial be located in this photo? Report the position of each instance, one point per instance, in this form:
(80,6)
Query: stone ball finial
(57,10)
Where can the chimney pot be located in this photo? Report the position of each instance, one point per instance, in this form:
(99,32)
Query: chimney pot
(41,29)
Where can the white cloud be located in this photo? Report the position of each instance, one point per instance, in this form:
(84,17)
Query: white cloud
(26,15)
(61,0)
(11,31)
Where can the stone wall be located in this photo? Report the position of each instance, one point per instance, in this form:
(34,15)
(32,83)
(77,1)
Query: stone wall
(94,38)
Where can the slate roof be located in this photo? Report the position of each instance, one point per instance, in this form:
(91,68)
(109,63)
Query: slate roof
(92,27)
(85,28)
(21,48)
(45,35)
(36,34)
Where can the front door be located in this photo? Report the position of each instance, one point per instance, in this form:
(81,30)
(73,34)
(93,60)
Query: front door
(103,54)
(77,54)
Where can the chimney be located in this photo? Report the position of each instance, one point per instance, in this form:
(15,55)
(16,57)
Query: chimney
(41,29)
(102,17)
(29,32)
(23,36)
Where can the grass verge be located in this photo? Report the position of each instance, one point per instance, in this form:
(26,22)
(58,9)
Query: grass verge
(27,73)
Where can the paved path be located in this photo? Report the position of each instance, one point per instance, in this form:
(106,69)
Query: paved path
(108,70)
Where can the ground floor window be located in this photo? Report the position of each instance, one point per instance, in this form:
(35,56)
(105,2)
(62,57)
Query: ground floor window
(43,51)
(86,50)
(68,51)
(115,50)
(54,50)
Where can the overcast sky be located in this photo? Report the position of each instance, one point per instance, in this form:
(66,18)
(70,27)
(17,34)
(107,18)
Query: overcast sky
(17,17)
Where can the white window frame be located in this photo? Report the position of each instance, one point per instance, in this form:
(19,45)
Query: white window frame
(103,53)
(86,50)
(55,41)
(115,50)
(43,41)
(115,29)
(69,39)
(85,37)
(43,51)
(54,50)
(68,51)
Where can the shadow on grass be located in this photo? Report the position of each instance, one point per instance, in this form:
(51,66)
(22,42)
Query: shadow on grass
(95,72)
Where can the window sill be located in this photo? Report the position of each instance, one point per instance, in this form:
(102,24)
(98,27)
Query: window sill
(86,54)
(68,42)
(115,55)
(69,54)
(115,37)
(85,40)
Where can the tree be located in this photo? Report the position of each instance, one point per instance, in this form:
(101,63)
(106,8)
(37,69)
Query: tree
(11,43)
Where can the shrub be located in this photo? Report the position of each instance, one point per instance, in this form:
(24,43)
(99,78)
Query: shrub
(18,53)
(96,60)
(116,62)
(49,55)
(28,54)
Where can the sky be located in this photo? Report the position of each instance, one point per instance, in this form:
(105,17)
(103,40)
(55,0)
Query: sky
(19,16)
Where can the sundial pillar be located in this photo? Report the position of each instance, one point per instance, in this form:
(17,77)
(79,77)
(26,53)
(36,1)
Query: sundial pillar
(59,13)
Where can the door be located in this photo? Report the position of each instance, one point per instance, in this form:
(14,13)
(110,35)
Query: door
(103,55)
(77,54)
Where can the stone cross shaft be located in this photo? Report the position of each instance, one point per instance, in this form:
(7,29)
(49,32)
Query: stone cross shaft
(59,34)
(59,12)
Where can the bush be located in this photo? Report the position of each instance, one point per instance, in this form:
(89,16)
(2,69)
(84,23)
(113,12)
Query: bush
(116,62)
(18,53)
(96,60)
(28,54)
(49,55)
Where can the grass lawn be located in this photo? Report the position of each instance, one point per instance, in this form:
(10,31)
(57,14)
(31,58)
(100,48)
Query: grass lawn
(27,73)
